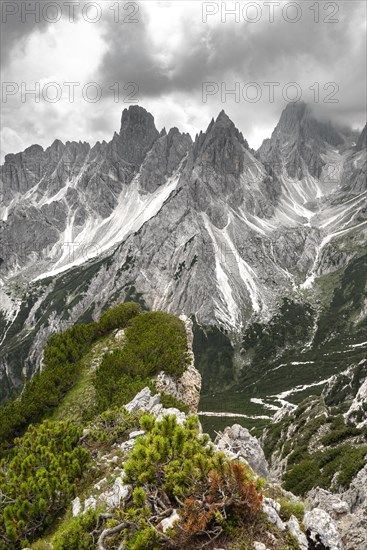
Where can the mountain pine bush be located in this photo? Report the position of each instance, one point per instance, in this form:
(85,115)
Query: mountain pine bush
(61,368)
(118,316)
(175,467)
(37,480)
(155,341)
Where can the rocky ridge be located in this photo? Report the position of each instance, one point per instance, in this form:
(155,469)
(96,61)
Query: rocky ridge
(210,229)
(237,444)
(329,432)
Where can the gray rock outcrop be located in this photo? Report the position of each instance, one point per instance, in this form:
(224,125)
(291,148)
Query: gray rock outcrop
(296,531)
(237,442)
(145,401)
(158,218)
(187,387)
(321,528)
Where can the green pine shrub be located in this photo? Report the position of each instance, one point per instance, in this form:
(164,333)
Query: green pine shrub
(331,468)
(168,401)
(37,480)
(61,369)
(290,508)
(302,477)
(47,387)
(77,533)
(337,436)
(110,427)
(155,341)
(118,316)
(174,466)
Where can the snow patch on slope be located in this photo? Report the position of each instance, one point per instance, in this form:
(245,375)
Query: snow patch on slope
(98,235)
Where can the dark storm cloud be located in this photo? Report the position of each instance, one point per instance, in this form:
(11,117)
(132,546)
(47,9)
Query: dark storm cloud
(130,58)
(18,23)
(169,63)
(241,52)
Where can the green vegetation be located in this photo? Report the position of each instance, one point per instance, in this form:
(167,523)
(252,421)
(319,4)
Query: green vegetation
(323,451)
(89,373)
(76,534)
(37,480)
(214,357)
(337,436)
(60,372)
(45,390)
(168,401)
(155,341)
(319,469)
(118,317)
(348,299)
(111,427)
(290,507)
(290,327)
(173,466)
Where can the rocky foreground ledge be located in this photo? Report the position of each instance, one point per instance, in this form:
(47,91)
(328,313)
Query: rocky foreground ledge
(316,529)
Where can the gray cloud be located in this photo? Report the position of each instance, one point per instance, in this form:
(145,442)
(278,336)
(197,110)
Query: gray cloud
(170,76)
(302,52)
(20,19)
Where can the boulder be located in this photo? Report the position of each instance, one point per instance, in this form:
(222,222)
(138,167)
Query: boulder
(347,510)
(298,534)
(120,335)
(90,504)
(271,509)
(76,507)
(321,528)
(143,401)
(167,523)
(237,442)
(330,502)
(119,492)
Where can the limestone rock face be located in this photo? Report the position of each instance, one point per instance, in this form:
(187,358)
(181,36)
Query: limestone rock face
(210,228)
(347,510)
(144,401)
(119,492)
(357,413)
(167,523)
(76,507)
(237,442)
(271,508)
(187,387)
(321,528)
(332,503)
(295,530)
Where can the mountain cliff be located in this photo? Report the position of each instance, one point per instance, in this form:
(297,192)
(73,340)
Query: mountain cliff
(208,228)
(110,454)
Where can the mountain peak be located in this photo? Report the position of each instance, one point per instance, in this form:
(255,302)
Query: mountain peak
(136,116)
(137,134)
(223,118)
(299,120)
(362,140)
(293,115)
(223,125)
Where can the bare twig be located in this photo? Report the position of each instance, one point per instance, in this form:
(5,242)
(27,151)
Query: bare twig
(112,531)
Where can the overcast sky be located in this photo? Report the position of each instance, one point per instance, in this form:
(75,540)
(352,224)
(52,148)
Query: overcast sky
(169,51)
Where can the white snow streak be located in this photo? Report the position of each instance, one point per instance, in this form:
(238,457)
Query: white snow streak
(98,235)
